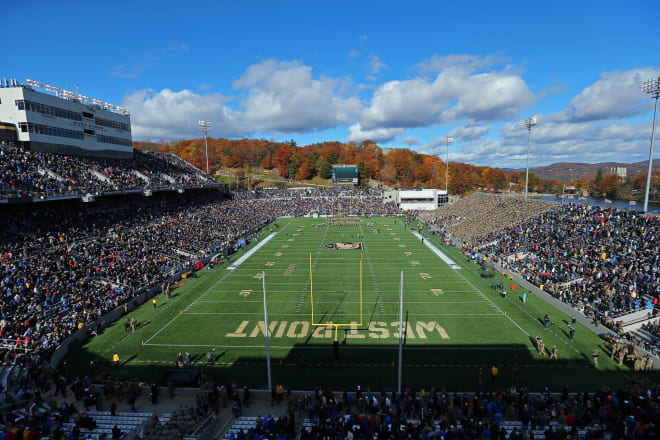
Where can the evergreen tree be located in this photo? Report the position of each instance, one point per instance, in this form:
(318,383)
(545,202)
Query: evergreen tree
(326,170)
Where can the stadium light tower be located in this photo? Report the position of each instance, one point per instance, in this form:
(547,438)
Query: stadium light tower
(652,87)
(206,127)
(448,140)
(529,123)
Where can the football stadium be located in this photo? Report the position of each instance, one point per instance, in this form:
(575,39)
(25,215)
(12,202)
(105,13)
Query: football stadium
(329,223)
(326,283)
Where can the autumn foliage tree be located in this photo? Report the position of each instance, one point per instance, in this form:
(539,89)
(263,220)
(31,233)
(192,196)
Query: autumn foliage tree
(399,167)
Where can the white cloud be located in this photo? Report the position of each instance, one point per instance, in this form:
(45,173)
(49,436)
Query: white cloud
(557,142)
(353,53)
(469,132)
(363,37)
(376,65)
(410,141)
(457,91)
(357,134)
(616,95)
(283,97)
(173,115)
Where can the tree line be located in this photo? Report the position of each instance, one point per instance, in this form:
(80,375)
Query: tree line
(398,167)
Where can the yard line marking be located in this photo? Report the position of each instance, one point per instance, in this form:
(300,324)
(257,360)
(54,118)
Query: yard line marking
(434,249)
(252,251)
(381,307)
(303,294)
(209,290)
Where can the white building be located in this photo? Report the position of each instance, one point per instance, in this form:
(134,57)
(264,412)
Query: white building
(417,199)
(64,122)
(619,172)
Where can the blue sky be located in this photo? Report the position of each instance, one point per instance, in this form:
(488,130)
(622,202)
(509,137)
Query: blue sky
(404,74)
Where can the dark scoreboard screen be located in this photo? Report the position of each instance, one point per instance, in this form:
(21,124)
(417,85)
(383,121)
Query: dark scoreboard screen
(345,175)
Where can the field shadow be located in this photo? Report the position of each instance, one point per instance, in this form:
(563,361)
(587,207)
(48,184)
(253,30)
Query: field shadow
(455,367)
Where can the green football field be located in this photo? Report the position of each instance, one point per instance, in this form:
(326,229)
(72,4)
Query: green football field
(455,326)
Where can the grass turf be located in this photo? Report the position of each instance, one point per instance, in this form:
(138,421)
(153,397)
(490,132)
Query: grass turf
(456,327)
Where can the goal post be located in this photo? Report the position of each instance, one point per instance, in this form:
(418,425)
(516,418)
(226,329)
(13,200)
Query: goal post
(333,324)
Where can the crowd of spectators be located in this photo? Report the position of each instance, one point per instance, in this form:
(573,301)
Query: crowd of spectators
(480,214)
(602,261)
(437,414)
(65,265)
(346,200)
(33,174)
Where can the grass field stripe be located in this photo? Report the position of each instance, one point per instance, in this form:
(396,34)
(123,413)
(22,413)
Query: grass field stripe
(252,251)
(311,266)
(431,246)
(374,279)
(202,295)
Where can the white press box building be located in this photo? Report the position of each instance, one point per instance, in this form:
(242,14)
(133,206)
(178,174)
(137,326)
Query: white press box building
(64,122)
(417,199)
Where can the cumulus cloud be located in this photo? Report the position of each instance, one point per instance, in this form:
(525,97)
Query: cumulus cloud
(279,97)
(459,90)
(616,95)
(173,115)
(357,134)
(283,97)
(469,132)
(558,142)
(410,141)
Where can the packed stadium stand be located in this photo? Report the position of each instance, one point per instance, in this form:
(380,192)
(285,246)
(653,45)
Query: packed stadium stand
(28,174)
(601,261)
(64,264)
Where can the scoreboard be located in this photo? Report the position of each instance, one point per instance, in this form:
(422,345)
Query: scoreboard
(345,175)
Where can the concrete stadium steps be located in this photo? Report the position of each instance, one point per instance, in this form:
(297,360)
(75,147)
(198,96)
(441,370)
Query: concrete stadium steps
(240,424)
(127,422)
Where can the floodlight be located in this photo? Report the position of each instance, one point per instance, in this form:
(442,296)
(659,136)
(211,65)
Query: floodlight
(652,87)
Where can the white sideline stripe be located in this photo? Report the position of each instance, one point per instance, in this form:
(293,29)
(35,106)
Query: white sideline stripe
(456,266)
(437,251)
(203,294)
(251,252)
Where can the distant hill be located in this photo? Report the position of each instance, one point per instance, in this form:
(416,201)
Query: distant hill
(576,171)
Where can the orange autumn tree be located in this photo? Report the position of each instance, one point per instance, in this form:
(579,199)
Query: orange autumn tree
(400,167)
